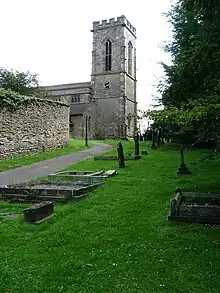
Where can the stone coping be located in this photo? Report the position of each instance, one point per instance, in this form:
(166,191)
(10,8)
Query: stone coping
(46,190)
(195,208)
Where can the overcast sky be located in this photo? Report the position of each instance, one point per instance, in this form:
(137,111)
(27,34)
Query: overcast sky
(52,38)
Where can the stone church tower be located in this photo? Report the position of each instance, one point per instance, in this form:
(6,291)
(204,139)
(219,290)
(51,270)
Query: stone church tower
(113,78)
(108,101)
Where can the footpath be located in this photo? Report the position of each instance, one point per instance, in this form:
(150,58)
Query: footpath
(43,168)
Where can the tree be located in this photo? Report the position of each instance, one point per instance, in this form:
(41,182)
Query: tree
(23,83)
(190,93)
(198,124)
(195,52)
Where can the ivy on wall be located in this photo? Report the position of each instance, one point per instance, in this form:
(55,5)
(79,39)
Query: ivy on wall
(12,100)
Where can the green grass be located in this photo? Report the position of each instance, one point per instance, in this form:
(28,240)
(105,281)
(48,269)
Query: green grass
(118,240)
(14,162)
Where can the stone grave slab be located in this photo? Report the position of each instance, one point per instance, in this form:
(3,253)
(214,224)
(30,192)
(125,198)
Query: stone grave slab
(46,190)
(8,216)
(85,176)
(39,212)
(195,208)
(115,158)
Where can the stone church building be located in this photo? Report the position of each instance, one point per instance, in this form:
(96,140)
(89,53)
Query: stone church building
(109,99)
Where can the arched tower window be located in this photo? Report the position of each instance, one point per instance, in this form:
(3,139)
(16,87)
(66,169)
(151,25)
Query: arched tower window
(130,58)
(108,56)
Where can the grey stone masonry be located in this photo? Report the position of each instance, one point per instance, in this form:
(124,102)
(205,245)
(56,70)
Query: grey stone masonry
(115,89)
(36,127)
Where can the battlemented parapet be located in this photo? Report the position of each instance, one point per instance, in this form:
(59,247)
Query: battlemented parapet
(121,20)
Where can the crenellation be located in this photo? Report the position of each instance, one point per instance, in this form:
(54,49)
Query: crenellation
(106,23)
(112,20)
(96,24)
(121,19)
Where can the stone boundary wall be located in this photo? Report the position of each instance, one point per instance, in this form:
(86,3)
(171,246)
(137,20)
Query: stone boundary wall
(37,126)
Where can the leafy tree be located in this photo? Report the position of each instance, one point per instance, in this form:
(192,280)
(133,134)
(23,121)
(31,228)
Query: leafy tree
(190,93)
(195,52)
(23,83)
(200,123)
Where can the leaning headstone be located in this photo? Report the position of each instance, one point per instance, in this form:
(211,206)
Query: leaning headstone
(136,145)
(121,159)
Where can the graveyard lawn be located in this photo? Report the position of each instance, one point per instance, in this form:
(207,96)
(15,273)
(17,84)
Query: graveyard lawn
(118,239)
(15,162)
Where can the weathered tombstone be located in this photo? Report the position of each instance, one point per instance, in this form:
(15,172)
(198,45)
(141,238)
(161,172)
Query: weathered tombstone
(195,207)
(44,190)
(38,212)
(86,176)
(136,145)
(183,169)
(8,216)
(121,159)
(115,158)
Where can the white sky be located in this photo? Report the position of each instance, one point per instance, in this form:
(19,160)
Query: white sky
(52,38)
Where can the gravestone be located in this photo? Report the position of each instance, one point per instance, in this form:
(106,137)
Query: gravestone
(195,207)
(88,176)
(183,169)
(121,159)
(136,145)
(46,190)
(115,158)
(38,212)
(8,216)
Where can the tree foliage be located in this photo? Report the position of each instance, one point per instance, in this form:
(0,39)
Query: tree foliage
(12,100)
(23,83)
(190,93)
(195,51)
